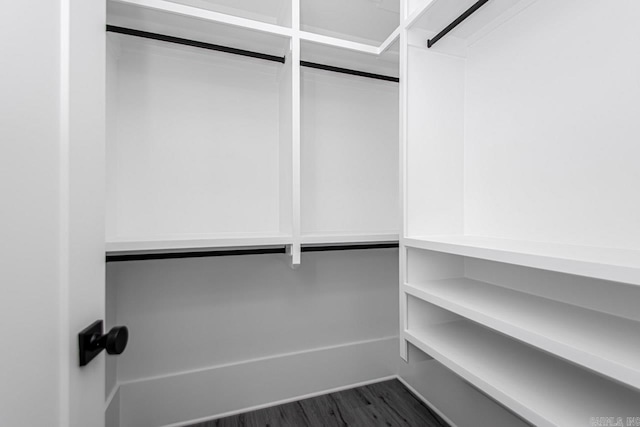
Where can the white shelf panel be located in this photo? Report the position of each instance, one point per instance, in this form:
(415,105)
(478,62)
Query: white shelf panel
(270,11)
(604,343)
(542,389)
(188,243)
(620,265)
(363,21)
(338,238)
(189,22)
(339,43)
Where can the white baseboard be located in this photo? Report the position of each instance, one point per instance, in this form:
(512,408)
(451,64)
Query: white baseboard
(205,394)
(184,398)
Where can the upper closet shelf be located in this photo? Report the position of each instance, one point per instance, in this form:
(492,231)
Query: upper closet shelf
(251,29)
(357,24)
(194,243)
(275,12)
(620,265)
(351,46)
(179,20)
(341,43)
(434,16)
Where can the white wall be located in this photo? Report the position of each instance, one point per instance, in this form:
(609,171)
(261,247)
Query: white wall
(29,170)
(195,313)
(551,150)
(194,319)
(196,145)
(435,141)
(618,299)
(349,154)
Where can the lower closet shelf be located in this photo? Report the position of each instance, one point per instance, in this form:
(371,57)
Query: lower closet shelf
(618,265)
(540,388)
(607,344)
(195,242)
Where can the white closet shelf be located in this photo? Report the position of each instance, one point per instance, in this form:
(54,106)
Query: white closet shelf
(187,21)
(339,43)
(322,238)
(602,342)
(178,20)
(363,21)
(620,265)
(542,389)
(371,50)
(198,243)
(178,9)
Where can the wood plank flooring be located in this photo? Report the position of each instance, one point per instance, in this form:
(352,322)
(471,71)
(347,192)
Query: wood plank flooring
(385,404)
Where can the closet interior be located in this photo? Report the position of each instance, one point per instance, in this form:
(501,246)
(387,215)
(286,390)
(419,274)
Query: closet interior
(304,196)
(252,203)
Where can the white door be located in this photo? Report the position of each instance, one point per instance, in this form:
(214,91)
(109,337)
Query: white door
(82,201)
(51,210)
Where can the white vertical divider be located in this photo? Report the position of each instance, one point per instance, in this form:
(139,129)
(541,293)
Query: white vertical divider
(295,129)
(285,83)
(404,13)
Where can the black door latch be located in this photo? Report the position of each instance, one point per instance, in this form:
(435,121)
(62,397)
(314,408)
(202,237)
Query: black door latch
(92,341)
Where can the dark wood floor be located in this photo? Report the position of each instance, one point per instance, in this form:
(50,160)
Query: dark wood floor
(387,404)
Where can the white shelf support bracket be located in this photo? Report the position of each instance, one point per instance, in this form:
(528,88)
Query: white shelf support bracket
(294,252)
(295,248)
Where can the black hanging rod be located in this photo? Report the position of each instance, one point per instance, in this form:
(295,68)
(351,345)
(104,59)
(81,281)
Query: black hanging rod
(325,248)
(249,251)
(194,254)
(457,22)
(233,50)
(348,71)
(194,43)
